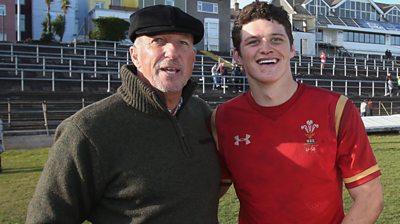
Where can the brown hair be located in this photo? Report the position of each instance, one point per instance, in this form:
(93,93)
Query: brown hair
(260,10)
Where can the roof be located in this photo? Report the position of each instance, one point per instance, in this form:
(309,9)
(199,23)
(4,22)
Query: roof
(301,10)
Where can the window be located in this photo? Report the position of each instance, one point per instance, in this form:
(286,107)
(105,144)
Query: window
(170,2)
(207,7)
(394,16)
(320,35)
(116,2)
(21,23)
(360,37)
(351,37)
(366,38)
(211,34)
(395,40)
(3,10)
(358,10)
(3,36)
(21,2)
(372,38)
(322,7)
(356,37)
(99,5)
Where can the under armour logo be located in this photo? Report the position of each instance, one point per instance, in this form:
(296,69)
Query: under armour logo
(246,139)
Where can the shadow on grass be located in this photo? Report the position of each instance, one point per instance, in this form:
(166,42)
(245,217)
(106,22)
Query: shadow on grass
(386,142)
(389,150)
(22,170)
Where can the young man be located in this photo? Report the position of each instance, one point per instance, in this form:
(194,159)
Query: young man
(145,154)
(288,147)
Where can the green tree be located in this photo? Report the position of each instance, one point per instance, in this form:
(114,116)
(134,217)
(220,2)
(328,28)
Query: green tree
(47,35)
(109,28)
(65,4)
(48,20)
(58,25)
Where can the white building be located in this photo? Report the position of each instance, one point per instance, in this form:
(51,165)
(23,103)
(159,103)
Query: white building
(344,26)
(76,18)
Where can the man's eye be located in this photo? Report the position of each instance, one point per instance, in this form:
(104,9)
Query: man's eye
(276,40)
(252,42)
(158,41)
(185,43)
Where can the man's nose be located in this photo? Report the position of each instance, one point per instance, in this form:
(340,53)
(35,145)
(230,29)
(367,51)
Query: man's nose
(265,46)
(171,50)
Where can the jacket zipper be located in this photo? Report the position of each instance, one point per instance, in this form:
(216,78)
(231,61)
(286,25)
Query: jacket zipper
(181,137)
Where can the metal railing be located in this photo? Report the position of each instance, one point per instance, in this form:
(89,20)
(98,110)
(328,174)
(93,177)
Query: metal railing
(44,116)
(107,79)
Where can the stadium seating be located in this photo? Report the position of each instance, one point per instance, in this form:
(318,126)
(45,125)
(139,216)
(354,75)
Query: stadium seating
(44,84)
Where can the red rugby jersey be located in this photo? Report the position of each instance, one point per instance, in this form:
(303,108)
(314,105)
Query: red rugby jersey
(287,162)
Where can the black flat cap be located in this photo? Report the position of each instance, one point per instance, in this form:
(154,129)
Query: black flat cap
(164,18)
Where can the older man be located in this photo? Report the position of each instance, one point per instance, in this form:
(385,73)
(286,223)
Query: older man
(145,154)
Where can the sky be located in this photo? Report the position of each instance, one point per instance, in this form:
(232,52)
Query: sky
(245,2)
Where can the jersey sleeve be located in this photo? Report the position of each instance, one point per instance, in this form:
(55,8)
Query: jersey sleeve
(355,158)
(226,178)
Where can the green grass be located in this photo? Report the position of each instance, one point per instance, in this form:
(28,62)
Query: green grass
(22,169)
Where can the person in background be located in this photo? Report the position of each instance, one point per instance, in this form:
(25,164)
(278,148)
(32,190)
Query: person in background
(388,54)
(223,73)
(398,84)
(370,107)
(390,84)
(214,75)
(144,154)
(287,147)
(236,79)
(363,108)
(323,59)
(2,148)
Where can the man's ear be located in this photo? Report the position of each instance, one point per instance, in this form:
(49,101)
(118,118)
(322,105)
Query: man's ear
(194,52)
(237,56)
(292,51)
(133,53)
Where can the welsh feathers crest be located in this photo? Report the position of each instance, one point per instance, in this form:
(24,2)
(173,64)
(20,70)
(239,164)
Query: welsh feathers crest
(310,128)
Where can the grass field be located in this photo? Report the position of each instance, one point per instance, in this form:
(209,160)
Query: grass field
(22,169)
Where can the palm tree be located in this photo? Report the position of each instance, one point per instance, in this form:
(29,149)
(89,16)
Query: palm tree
(58,25)
(47,35)
(48,27)
(65,4)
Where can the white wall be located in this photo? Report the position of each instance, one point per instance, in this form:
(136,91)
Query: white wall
(39,11)
(310,37)
(111,13)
